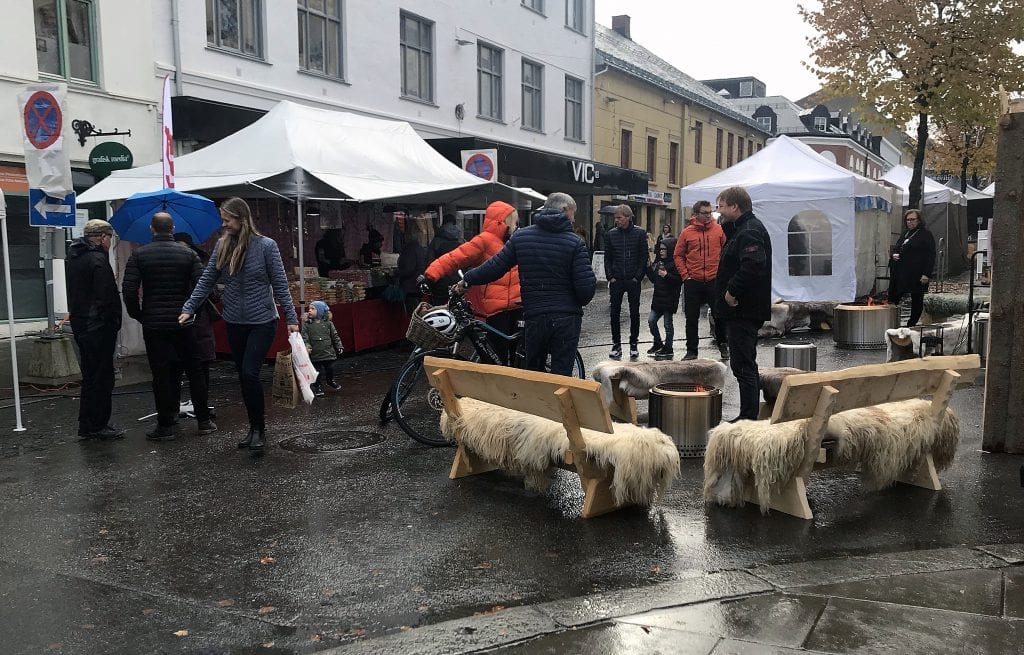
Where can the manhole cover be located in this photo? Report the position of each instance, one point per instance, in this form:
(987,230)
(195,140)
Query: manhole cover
(329,442)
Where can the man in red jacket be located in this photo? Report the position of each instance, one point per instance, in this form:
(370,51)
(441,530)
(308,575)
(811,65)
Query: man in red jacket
(697,252)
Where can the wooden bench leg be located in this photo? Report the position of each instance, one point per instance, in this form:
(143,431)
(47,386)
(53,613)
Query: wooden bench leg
(467,463)
(924,475)
(597,496)
(790,499)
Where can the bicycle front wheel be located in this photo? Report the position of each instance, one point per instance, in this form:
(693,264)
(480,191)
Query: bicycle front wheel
(416,405)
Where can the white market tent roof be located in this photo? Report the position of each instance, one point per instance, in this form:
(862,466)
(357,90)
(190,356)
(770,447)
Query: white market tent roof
(786,169)
(295,150)
(934,192)
(976,194)
(990,189)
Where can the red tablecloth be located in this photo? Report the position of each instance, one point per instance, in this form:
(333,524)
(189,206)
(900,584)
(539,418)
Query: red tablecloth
(361,325)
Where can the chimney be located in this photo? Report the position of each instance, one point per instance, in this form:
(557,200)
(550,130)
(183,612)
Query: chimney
(620,24)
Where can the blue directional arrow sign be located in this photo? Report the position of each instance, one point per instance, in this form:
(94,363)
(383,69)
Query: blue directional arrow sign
(46,211)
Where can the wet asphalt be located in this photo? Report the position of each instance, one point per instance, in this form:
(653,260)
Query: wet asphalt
(194,546)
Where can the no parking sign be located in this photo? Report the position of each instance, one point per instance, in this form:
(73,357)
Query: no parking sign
(482,163)
(43,119)
(47,165)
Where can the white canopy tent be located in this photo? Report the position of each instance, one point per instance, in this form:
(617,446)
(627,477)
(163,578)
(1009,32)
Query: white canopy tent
(824,221)
(945,214)
(990,189)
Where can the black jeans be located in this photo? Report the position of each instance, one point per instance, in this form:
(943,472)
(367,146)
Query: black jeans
(325,370)
(171,353)
(96,359)
(507,322)
(249,344)
(742,336)
(557,335)
(615,291)
(916,305)
(696,294)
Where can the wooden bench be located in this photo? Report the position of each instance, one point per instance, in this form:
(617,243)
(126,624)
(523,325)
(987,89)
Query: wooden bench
(575,404)
(818,397)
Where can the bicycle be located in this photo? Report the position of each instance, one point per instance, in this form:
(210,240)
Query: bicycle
(416,405)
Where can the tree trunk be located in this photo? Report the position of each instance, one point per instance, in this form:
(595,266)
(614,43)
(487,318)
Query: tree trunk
(917,179)
(1004,385)
(964,163)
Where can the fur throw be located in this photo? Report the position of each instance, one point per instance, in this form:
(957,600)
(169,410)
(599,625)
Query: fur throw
(771,381)
(789,314)
(882,441)
(637,378)
(905,343)
(645,460)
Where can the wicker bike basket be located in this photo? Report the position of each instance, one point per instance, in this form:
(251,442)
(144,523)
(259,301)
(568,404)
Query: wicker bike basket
(420,332)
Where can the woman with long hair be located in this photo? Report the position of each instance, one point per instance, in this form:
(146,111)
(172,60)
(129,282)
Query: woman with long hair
(249,264)
(912,265)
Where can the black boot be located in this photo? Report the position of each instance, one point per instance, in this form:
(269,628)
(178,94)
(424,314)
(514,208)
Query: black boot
(244,443)
(256,444)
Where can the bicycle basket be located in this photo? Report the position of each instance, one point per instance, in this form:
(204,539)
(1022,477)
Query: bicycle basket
(422,334)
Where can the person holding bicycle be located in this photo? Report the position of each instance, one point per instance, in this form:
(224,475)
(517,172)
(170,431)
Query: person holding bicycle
(556,279)
(499,301)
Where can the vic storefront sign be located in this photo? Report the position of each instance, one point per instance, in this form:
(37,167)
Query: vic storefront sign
(108,157)
(583,172)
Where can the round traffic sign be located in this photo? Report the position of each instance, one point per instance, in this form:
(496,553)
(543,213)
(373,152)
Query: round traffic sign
(43,119)
(480,165)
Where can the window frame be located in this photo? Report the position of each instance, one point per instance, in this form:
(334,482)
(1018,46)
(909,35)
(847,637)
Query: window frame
(574,108)
(749,84)
(534,5)
(810,254)
(625,148)
(496,82)
(765,121)
(428,51)
(652,157)
(729,148)
(575,16)
(259,28)
(673,162)
(698,142)
(750,147)
(739,148)
(719,143)
(63,44)
(535,94)
(820,123)
(304,11)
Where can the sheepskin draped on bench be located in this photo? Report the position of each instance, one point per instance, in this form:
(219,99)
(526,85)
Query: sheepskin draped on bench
(645,460)
(884,441)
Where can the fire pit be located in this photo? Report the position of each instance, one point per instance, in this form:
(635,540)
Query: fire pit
(862,326)
(685,412)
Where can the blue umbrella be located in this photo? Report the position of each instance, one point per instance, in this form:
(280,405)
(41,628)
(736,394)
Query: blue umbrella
(196,215)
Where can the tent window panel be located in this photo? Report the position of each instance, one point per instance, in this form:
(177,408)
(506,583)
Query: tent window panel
(810,244)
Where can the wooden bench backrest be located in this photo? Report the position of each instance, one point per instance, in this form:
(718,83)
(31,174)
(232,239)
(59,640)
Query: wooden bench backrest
(873,384)
(525,391)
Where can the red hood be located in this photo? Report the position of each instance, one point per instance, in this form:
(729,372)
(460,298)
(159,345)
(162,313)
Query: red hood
(494,218)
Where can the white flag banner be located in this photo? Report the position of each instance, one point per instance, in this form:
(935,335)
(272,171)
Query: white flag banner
(167,135)
(47,164)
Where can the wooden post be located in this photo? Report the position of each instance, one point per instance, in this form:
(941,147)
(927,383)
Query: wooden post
(1004,393)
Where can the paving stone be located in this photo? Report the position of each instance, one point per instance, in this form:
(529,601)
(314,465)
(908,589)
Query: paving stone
(978,591)
(600,607)
(615,639)
(736,647)
(865,628)
(1013,592)
(777,618)
(1010,553)
(847,569)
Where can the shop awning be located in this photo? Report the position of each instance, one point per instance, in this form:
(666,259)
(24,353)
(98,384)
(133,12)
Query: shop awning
(298,151)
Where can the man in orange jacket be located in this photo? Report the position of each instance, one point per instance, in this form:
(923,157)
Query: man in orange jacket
(499,301)
(697,253)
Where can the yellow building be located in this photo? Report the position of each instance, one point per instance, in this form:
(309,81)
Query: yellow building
(652,117)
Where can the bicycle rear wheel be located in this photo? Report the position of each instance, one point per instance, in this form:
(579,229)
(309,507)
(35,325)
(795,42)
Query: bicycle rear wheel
(416,405)
(578,369)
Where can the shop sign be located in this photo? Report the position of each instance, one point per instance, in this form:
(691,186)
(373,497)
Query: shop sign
(583,172)
(108,157)
(12,179)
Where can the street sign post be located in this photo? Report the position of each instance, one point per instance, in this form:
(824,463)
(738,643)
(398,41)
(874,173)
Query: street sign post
(47,211)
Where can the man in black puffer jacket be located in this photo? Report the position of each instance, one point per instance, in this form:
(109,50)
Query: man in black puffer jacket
(743,290)
(167,272)
(625,265)
(555,279)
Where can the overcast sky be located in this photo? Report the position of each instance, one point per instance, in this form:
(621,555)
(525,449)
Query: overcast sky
(723,38)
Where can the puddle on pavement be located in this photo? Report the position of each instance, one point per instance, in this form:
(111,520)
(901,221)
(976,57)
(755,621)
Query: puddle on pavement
(318,443)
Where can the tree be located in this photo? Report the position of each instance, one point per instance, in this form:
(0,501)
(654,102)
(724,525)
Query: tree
(917,57)
(964,147)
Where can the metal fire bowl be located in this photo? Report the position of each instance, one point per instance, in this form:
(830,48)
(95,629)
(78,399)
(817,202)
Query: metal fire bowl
(862,327)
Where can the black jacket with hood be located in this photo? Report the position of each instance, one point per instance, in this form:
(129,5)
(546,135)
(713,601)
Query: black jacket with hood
(167,272)
(667,288)
(745,271)
(625,254)
(93,301)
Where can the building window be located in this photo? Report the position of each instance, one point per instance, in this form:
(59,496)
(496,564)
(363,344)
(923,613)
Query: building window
(765,122)
(489,82)
(810,244)
(417,46)
(820,123)
(320,37)
(575,15)
(739,148)
(536,5)
(235,25)
(719,138)
(750,148)
(673,162)
(64,38)
(746,89)
(573,108)
(759,146)
(533,96)
(625,149)
(729,150)
(652,156)
(698,142)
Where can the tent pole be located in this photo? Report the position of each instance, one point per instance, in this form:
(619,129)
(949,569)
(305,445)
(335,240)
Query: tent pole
(299,204)
(18,427)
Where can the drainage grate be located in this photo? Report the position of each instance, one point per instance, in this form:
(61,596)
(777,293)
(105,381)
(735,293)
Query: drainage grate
(329,442)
